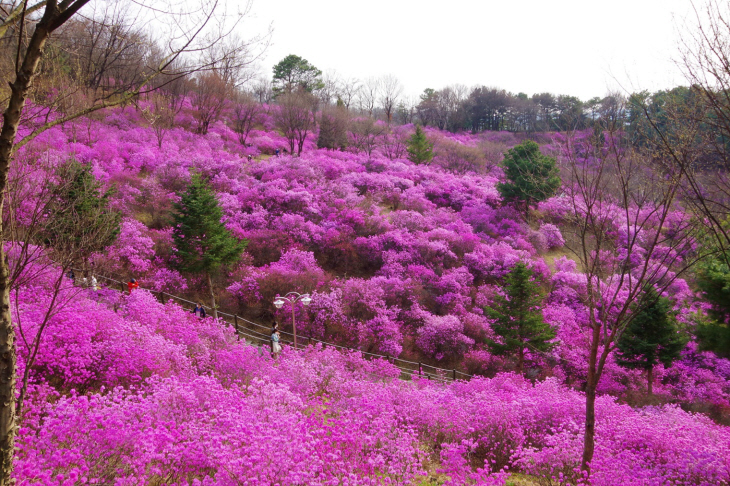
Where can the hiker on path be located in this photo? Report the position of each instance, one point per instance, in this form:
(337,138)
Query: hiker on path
(275,336)
(72,276)
(277,152)
(94,284)
(132,284)
(199,310)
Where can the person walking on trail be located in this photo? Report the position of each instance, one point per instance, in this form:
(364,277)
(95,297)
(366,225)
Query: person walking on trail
(94,283)
(132,284)
(275,346)
(199,310)
(72,276)
(277,152)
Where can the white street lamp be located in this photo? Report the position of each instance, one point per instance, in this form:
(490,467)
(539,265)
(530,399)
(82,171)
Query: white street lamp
(292,298)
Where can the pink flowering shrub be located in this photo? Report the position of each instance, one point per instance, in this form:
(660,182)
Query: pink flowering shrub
(552,235)
(443,336)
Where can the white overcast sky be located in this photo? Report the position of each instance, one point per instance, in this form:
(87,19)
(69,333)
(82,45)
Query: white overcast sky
(579,47)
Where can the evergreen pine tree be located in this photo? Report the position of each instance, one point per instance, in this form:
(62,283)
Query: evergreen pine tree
(651,337)
(420,150)
(517,317)
(80,221)
(333,128)
(531,176)
(201,240)
(712,275)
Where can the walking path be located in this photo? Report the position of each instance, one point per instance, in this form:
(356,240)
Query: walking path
(259,335)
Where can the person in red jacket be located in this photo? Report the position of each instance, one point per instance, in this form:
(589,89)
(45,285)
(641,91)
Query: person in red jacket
(131,285)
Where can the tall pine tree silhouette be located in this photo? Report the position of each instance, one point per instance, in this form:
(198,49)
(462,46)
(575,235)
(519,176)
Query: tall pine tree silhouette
(531,176)
(518,319)
(201,240)
(420,150)
(651,338)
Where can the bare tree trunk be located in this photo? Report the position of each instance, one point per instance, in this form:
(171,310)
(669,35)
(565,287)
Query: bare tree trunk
(521,360)
(589,436)
(212,296)
(11,120)
(7,371)
(650,380)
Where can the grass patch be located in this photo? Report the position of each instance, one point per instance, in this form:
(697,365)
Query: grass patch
(553,255)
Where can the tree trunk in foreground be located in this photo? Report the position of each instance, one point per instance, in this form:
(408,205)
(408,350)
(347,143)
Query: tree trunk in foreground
(53,17)
(650,380)
(589,435)
(212,296)
(11,120)
(7,373)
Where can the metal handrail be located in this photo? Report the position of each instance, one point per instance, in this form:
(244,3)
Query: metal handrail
(438,374)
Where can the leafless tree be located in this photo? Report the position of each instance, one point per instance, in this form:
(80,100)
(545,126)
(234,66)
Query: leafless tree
(406,111)
(368,95)
(51,228)
(209,97)
(234,59)
(330,92)
(390,90)
(263,91)
(623,204)
(295,116)
(349,91)
(693,132)
(164,105)
(365,134)
(247,113)
(107,47)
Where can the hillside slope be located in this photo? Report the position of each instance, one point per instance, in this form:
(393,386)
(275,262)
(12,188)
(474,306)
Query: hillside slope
(151,394)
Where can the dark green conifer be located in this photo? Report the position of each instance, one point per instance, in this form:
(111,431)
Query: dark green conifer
(420,149)
(531,176)
(651,337)
(518,319)
(80,221)
(202,242)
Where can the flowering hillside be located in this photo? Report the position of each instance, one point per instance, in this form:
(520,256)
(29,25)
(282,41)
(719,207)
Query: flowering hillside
(400,259)
(150,394)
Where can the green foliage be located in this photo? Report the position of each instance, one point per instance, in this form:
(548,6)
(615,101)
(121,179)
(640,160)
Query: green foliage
(201,240)
(420,149)
(333,128)
(668,111)
(79,221)
(293,73)
(517,317)
(712,335)
(531,176)
(713,278)
(651,337)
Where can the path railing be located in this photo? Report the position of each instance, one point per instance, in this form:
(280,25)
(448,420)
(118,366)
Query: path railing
(260,335)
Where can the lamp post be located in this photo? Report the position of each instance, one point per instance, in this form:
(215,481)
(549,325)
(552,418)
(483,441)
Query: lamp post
(292,298)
